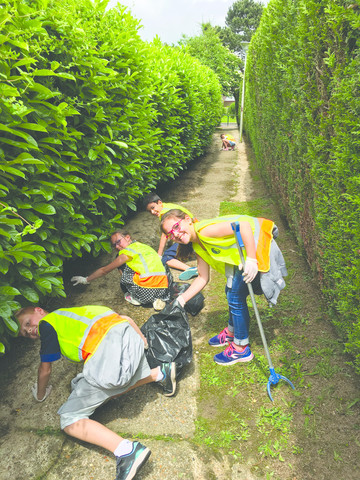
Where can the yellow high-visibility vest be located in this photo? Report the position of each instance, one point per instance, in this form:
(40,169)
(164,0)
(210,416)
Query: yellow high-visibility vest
(81,329)
(223,250)
(174,206)
(150,272)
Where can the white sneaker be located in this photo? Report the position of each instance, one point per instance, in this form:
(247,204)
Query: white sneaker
(132,300)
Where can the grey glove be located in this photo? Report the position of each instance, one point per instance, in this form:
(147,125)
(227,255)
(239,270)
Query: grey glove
(77,280)
(34,390)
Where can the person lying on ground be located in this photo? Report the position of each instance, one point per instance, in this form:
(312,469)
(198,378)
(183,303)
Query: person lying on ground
(154,205)
(215,246)
(112,349)
(144,278)
(228,142)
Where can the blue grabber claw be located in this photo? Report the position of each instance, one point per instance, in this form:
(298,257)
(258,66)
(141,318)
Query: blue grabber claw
(274,377)
(274,380)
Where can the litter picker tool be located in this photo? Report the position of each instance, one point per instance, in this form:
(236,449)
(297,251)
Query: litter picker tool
(274,377)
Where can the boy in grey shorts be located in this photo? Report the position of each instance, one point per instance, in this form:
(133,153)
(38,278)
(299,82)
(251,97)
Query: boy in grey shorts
(112,349)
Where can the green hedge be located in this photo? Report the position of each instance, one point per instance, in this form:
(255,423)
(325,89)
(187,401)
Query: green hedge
(91,118)
(302,116)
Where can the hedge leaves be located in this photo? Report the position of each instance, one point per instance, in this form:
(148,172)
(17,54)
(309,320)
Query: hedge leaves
(302,115)
(91,118)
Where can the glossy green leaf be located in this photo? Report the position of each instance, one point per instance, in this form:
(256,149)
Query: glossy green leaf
(56,260)
(44,208)
(8,91)
(9,291)
(5,310)
(33,126)
(30,294)
(11,325)
(25,272)
(44,283)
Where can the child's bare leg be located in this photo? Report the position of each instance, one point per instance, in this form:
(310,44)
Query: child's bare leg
(177,264)
(94,432)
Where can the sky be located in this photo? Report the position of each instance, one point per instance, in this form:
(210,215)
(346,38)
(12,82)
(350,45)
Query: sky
(169,19)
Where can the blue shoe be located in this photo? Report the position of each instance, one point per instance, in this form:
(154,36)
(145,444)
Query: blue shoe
(127,466)
(230,356)
(189,273)
(221,339)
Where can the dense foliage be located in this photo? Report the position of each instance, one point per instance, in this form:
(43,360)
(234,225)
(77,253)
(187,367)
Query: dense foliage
(302,116)
(91,118)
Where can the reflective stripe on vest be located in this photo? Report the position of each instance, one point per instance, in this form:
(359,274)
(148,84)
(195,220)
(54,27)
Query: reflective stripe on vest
(74,328)
(149,270)
(223,250)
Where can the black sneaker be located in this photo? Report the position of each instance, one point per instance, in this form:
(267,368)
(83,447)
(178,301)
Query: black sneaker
(127,466)
(169,380)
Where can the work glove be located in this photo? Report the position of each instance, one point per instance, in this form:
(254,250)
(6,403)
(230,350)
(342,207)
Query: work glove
(34,390)
(79,280)
(250,269)
(179,302)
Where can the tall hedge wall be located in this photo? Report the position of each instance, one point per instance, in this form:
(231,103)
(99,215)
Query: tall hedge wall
(91,118)
(302,115)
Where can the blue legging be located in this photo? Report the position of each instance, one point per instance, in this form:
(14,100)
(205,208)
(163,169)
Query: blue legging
(239,317)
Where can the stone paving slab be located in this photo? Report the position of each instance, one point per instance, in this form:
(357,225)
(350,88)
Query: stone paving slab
(31,443)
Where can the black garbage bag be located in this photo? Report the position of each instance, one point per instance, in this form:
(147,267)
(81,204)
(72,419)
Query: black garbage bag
(169,338)
(195,304)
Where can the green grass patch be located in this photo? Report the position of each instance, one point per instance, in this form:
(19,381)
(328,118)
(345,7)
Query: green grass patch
(236,417)
(228,119)
(254,208)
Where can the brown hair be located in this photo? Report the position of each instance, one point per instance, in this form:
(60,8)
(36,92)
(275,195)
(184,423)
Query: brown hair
(151,197)
(123,233)
(183,251)
(174,213)
(23,311)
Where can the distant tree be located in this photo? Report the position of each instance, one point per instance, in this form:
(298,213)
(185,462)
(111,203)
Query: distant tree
(209,49)
(241,21)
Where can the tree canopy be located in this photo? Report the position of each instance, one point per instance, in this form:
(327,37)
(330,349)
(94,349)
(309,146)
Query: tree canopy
(241,21)
(210,51)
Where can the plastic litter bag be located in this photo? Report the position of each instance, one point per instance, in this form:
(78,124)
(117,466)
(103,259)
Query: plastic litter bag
(169,338)
(195,304)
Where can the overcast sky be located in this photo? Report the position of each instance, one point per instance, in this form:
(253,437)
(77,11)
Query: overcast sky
(169,19)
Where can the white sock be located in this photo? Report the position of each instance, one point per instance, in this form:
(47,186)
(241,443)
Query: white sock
(124,448)
(160,376)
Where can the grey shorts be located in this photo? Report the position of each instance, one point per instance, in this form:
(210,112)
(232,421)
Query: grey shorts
(118,363)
